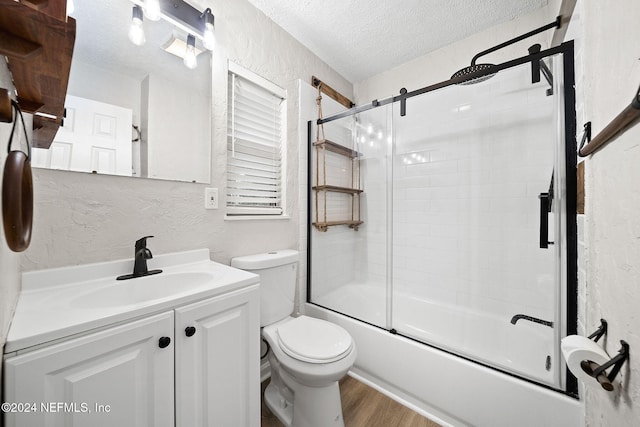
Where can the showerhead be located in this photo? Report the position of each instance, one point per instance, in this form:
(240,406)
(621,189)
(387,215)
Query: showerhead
(473,68)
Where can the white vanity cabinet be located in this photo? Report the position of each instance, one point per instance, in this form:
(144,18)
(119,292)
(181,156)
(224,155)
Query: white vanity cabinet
(147,372)
(218,365)
(121,368)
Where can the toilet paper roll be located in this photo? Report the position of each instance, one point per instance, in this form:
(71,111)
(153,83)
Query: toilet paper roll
(576,349)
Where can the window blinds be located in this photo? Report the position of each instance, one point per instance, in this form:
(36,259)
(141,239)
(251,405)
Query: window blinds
(254,149)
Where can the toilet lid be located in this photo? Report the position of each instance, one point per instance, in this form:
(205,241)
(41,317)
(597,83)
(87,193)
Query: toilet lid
(314,340)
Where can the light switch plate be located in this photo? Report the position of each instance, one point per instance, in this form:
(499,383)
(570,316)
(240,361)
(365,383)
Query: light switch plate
(211,198)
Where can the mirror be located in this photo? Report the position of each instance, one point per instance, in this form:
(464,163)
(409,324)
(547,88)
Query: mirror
(132,110)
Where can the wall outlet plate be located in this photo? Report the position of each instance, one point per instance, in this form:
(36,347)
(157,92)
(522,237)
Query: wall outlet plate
(211,198)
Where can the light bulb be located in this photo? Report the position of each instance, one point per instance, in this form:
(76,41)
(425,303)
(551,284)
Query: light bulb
(70,7)
(152,9)
(136,32)
(190,60)
(208,38)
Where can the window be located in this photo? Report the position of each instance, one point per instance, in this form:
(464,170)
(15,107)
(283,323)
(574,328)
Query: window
(256,132)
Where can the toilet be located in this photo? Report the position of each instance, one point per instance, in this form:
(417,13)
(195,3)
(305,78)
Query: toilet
(308,356)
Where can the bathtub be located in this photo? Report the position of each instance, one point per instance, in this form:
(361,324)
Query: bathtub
(446,388)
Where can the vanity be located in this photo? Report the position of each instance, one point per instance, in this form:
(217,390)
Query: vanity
(179,348)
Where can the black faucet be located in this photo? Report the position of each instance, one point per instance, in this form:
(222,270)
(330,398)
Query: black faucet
(141,255)
(517,317)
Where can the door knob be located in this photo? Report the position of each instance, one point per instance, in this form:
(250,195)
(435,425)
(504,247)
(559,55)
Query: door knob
(190,331)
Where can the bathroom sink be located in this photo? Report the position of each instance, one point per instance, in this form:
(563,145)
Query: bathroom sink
(142,289)
(61,302)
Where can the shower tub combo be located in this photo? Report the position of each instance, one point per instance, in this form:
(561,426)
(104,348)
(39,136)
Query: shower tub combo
(460,281)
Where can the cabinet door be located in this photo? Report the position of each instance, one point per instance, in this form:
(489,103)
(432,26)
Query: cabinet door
(218,367)
(116,377)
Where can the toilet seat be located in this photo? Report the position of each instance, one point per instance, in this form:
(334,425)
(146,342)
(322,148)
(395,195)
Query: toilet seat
(313,340)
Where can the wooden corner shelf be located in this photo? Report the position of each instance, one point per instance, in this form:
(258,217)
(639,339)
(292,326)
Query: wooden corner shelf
(322,187)
(334,147)
(38,39)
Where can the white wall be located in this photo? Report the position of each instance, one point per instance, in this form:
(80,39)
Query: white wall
(9,261)
(610,78)
(81,218)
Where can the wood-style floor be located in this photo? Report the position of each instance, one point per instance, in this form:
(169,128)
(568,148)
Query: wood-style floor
(362,406)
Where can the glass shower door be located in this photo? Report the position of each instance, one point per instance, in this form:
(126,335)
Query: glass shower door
(350,267)
(469,274)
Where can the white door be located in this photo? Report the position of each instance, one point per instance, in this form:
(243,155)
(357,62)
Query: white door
(218,365)
(95,137)
(116,377)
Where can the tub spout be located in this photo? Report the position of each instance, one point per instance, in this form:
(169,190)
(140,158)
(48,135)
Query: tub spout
(517,317)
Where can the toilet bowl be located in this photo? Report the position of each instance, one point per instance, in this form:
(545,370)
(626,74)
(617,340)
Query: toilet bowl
(311,356)
(307,356)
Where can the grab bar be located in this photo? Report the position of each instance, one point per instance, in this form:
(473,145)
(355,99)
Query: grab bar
(630,115)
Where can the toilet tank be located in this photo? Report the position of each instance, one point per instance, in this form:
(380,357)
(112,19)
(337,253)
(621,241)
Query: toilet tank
(278,272)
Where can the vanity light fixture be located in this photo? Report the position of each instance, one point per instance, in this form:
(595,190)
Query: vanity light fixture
(190,60)
(136,32)
(208,37)
(152,10)
(177,45)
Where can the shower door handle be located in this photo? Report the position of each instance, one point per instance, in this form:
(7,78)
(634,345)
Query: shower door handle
(544,220)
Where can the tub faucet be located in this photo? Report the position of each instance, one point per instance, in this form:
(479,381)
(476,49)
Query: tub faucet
(517,317)
(141,255)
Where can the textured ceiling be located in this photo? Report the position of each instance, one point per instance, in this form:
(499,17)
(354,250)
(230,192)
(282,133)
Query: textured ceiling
(361,38)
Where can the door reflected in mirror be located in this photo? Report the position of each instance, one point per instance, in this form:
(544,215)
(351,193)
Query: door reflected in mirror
(132,110)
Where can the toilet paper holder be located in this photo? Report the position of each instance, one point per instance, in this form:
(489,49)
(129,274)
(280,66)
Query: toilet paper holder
(599,371)
(602,329)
